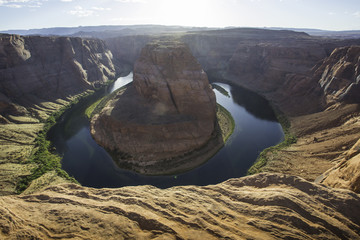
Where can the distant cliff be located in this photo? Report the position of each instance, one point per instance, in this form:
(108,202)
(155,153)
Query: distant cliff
(275,64)
(47,68)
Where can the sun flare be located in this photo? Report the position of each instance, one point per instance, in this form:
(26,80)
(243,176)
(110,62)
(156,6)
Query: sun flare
(186,12)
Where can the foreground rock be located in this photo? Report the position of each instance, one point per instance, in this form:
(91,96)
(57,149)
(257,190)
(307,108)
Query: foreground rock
(346,174)
(168,113)
(264,206)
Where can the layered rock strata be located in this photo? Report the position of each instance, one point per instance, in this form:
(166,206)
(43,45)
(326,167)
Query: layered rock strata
(169,112)
(339,75)
(264,206)
(346,174)
(48,66)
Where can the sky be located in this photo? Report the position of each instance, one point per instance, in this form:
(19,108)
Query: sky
(318,14)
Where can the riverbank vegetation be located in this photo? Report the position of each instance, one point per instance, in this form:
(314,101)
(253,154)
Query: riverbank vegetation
(91,108)
(289,139)
(221,90)
(226,122)
(44,156)
(98,105)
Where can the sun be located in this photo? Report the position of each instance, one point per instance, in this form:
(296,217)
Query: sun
(184,12)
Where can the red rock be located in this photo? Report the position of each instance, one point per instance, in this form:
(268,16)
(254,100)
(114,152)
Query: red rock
(169,112)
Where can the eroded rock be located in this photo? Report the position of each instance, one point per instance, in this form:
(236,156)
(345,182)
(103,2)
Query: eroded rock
(168,113)
(346,174)
(339,75)
(263,206)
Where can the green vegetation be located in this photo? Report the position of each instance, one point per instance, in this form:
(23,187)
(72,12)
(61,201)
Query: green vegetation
(44,156)
(221,90)
(289,139)
(91,108)
(98,105)
(46,160)
(226,122)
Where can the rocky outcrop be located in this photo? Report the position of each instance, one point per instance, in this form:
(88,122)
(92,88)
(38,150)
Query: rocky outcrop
(346,174)
(168,113)
(339,75)
(322,139)
(264,206)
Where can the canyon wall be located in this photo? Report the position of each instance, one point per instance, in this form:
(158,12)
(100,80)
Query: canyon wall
(275,64)
(48,68)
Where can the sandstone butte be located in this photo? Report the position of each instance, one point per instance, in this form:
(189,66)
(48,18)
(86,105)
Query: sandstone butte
(313,81)
(165,121)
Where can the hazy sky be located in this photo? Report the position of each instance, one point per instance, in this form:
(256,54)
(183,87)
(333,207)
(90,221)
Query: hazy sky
(321,14)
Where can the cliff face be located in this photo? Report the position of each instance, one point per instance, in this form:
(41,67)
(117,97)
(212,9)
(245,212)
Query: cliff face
(127,49)
(169,112)
(265,206)
(339,75)
(50,67)
(168,73)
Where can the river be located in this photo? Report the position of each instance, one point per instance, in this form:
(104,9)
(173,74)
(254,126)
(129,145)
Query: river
(256,128)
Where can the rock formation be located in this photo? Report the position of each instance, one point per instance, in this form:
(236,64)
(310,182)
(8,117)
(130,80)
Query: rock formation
(324,137)
(264,206)
(169,112)
(346,174)
(166,72)
(37,69)
(339,75)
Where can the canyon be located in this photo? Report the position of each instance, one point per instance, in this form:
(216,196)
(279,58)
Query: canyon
(313,81)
